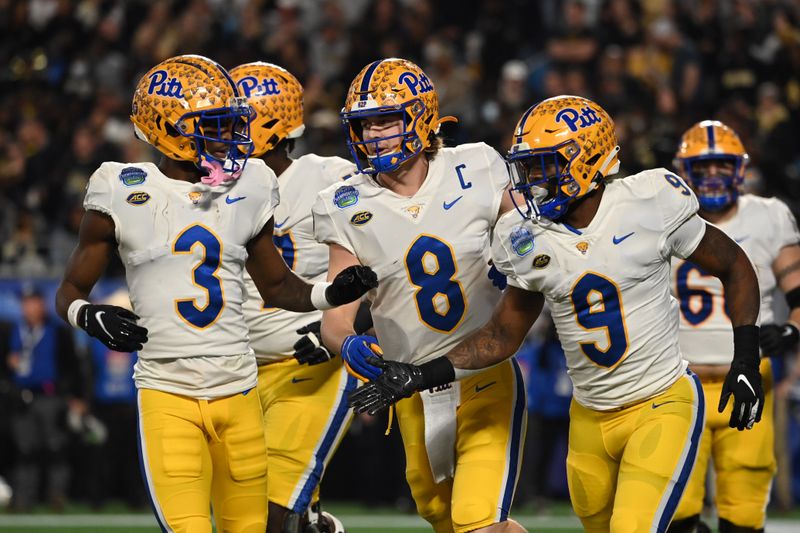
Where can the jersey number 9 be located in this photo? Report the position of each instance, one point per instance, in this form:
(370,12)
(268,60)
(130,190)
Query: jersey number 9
(598,305)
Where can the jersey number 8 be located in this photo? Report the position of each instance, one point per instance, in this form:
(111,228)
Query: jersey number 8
(431,267)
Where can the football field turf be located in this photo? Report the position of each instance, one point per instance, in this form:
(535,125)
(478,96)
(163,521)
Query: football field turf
(357,519)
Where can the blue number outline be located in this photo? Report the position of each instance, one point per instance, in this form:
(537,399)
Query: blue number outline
(687,314)
(590,349)
(210,260)
(451,279)
(678,183)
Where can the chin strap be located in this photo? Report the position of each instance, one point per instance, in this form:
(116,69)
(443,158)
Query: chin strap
(216,174)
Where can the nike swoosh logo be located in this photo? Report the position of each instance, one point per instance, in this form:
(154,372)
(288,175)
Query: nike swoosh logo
(741,239)
(298,380)
(743,378)
(229,200)
(479,388)
(657,405)
(99,317)
(451,204)
(618,240)
(282,223)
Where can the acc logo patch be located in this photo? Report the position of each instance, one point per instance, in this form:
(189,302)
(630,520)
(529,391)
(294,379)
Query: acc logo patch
(137,198)
(521,241)
(361,218)
(541,261)
(345,196)
(130,176)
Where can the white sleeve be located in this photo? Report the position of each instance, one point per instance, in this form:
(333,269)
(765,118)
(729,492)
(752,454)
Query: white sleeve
(99,195)
(684,240)
(500,178)
(502,256)
(785,229)
(271,200)
(325,230)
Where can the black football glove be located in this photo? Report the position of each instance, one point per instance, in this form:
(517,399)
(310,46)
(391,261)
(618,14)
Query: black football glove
(113,326)
(309,349)
(777,340)
(398,381)
(350,284)
(744,380)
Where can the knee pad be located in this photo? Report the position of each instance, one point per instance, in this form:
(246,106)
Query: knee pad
(727,527)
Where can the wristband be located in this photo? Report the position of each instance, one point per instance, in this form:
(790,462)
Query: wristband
(745,344)
(437,372)
(73,310)
(318,299)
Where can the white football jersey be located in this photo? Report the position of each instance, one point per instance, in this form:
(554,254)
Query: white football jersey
(430,251)
(762,227)
(607,285)
(184,250)
(273,331)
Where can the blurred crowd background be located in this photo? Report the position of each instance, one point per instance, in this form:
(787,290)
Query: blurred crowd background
(68,72)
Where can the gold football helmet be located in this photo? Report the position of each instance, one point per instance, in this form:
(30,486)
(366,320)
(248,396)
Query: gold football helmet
(186,102)
(385,87)
(713,160)
(277,98)
(561,148)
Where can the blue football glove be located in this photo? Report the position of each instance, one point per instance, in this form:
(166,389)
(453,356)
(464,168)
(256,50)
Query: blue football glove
(355,351)
(499,279)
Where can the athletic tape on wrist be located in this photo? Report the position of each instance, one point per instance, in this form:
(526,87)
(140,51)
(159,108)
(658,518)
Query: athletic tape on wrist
(73,310)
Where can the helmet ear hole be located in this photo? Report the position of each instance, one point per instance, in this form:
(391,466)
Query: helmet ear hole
(171,131)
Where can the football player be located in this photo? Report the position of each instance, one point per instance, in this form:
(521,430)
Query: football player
(302,387)
(600,256)
(422,215)
(185,229)
(712,160)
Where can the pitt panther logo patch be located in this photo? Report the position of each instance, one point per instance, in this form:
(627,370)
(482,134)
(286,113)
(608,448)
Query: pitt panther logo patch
(575,120)
(162,85)
(250,86)
(417,85)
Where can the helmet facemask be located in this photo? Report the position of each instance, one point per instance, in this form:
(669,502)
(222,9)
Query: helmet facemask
(719,191)
(222,139)
(367,154)
(543,178)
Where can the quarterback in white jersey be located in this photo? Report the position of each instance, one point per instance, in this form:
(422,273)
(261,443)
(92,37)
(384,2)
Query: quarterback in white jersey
(311,398)
(712,159)
(599,255)
(422,215)
(185,229)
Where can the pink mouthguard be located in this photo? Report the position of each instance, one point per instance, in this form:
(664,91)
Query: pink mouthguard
(216,175)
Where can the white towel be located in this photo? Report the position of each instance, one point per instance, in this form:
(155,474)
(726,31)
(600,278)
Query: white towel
(439,409)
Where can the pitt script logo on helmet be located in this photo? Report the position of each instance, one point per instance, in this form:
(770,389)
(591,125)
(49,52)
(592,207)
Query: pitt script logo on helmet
(707,142)
(186,103)
(277,98)
(561,148)
(385,87)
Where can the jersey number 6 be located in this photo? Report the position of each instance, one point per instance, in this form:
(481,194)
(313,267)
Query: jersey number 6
(204,276)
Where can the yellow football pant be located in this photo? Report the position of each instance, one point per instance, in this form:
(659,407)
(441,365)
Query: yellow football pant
(627,468)
(744,461)
(305,417)
(199,451)
(491,423)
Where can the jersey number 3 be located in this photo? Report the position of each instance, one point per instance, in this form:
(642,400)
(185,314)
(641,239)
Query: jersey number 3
(431,268)
(204,276)
(598,305)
